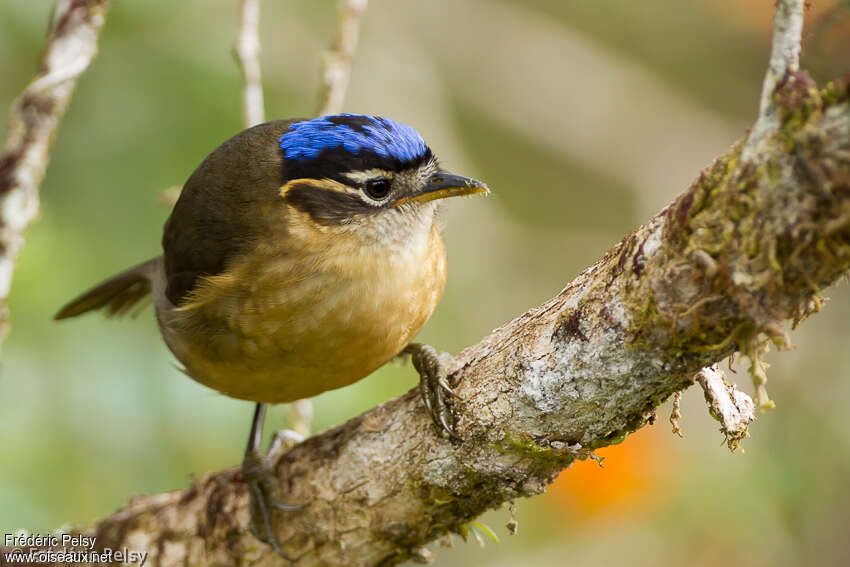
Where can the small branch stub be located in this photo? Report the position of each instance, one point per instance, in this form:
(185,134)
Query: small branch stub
(732,408)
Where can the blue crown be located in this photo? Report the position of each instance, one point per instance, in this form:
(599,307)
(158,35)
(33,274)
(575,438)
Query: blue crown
(354,133)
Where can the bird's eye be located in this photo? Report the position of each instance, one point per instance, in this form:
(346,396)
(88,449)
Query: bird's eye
(378,188)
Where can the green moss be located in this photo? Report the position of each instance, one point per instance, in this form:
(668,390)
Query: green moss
(798,101)
(754,250)
(543,460)
(615,438)
(646,317)
(526,447)
(451,512)
(704,190)
(719,218)
(836,91)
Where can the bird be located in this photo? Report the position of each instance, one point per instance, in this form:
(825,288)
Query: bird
(300,256)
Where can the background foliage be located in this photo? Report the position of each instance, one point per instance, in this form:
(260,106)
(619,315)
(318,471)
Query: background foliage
(584,117)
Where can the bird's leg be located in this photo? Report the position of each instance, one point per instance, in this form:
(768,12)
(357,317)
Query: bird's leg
(433,384)
(263,488)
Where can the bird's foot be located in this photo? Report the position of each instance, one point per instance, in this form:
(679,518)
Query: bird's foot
(433,384)
(258,471)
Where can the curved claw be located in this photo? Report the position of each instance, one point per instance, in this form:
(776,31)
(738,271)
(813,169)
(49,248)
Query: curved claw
(448,389)
(433,385)
(264,498)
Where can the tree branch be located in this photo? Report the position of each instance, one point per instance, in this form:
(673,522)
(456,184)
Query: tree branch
(247,50)
(70,47)
(784,58)
(746,247)
(336,64)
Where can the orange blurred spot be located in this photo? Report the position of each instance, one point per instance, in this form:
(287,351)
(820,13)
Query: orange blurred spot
(631,475)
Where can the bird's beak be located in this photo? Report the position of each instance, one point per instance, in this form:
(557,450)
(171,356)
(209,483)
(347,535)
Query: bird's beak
(442,185)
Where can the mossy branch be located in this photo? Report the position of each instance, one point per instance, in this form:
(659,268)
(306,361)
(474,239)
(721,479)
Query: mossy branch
(743,250)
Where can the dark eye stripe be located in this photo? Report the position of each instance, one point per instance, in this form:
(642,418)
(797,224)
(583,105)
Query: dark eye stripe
(326,206)
(335,163)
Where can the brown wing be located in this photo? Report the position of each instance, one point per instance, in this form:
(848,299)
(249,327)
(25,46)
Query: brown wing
(224,209)
(117,294)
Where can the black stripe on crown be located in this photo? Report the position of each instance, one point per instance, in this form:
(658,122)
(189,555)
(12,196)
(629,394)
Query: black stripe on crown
(333,163)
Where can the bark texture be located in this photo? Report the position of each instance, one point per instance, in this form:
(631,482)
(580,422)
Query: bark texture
(747,247)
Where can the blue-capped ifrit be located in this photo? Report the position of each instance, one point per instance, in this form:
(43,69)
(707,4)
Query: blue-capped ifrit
(300,256)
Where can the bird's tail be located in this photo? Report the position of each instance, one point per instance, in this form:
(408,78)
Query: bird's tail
(116,295)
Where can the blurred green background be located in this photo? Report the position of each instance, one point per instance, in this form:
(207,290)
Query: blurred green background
(585,118)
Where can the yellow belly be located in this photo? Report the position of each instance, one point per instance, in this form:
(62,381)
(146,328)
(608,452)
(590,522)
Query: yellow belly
(276,331)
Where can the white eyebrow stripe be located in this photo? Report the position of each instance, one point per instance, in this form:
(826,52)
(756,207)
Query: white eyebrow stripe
(365,175)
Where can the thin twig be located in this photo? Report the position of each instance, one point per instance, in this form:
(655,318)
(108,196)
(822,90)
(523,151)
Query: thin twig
(247,51)
(70,47)
(785,50)
(784,57)
(336,63)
